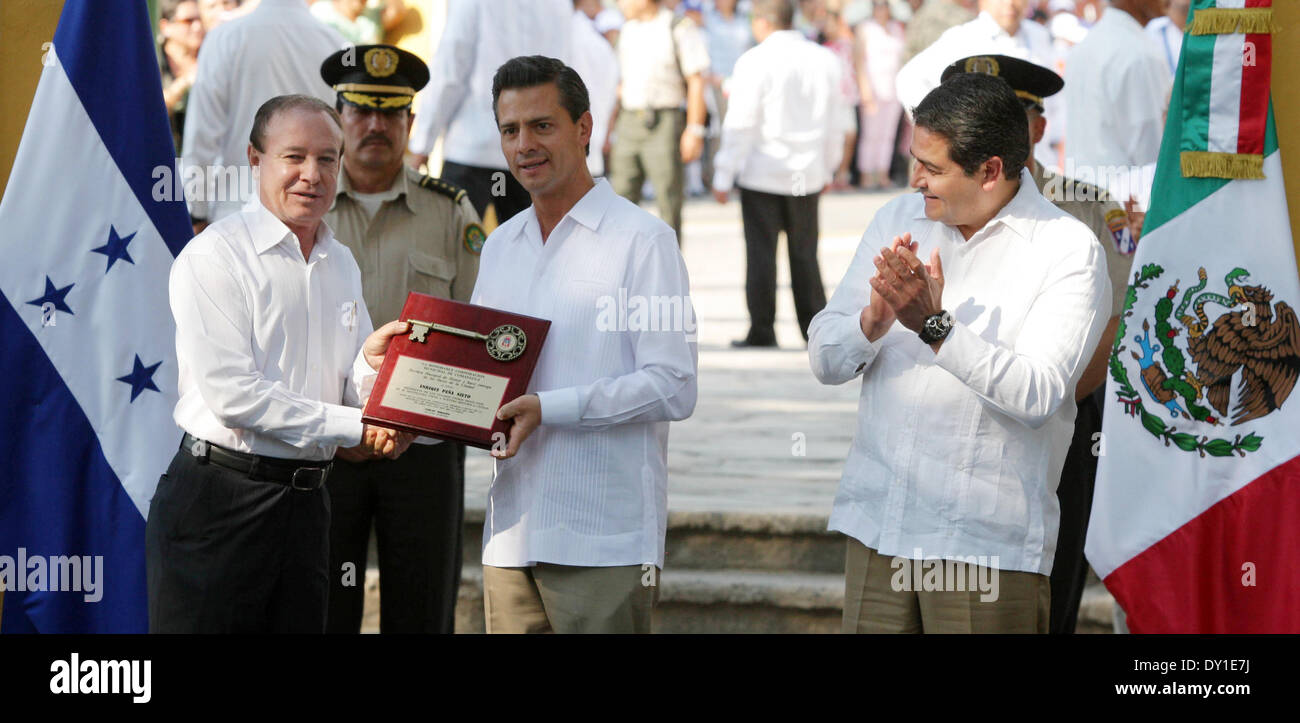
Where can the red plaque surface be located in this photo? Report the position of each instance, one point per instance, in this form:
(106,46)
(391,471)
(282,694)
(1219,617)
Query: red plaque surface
(449,385)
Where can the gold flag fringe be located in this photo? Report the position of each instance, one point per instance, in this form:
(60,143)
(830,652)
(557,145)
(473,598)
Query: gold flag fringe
(1226,21)
(1204,164)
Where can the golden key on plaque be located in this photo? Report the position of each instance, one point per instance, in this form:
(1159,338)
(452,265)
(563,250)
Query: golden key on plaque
(504,343)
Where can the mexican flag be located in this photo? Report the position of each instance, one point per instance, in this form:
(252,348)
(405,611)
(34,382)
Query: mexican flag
(1195,523)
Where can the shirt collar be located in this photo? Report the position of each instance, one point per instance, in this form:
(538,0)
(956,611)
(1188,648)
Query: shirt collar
(399,188)
(1016,214)
(587,212)
(784,36)
(267,231)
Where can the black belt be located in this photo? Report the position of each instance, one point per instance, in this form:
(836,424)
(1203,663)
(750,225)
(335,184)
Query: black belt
(298,474)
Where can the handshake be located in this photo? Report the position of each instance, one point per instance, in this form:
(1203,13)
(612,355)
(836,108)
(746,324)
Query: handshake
(379,442)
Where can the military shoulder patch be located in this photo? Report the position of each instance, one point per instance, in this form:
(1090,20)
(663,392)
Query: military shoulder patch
(455,193)
(1117,223)
(474,238)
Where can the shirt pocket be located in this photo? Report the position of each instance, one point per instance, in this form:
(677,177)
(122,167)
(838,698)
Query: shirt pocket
(429,274)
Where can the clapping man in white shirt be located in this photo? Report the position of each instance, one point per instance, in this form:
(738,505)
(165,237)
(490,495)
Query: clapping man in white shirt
(968,367)
(574,534)
(274,351)
(782,140)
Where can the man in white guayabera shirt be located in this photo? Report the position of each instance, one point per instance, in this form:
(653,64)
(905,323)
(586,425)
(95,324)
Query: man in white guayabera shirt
(968,369)
(573,540)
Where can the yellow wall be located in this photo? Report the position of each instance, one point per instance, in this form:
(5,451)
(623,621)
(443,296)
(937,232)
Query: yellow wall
(1286,104)
(24,26)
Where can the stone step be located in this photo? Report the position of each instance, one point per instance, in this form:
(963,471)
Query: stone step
(727,541)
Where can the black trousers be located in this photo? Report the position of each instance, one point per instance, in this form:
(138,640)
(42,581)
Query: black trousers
(417,506)
(488,185)
(228,554)
(765,215)
(1074,493)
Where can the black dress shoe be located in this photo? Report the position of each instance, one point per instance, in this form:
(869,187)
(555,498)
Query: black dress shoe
(748,343)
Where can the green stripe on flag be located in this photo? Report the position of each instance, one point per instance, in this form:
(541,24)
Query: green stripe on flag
(1187,129)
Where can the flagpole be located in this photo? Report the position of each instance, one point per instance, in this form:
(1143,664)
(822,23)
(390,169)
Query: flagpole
(1286,105)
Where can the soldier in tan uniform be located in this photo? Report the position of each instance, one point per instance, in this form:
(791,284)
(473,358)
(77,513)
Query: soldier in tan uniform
(1117,234)
(408,232)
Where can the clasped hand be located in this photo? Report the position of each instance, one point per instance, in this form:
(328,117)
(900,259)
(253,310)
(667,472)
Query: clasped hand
(379,442)
(903,289)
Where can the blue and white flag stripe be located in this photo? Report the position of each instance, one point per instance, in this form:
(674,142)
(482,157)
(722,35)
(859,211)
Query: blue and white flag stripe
(88,339)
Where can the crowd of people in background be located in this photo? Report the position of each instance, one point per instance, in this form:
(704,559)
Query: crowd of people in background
(775,101)
(872,38)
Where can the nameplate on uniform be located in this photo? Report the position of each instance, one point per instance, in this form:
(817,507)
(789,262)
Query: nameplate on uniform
(447,377)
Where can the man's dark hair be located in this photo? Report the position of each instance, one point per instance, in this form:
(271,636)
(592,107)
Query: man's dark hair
(778,12)
(527,71)
(281,104)
(980,117)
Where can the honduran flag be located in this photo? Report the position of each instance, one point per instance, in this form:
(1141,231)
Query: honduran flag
(87,343)
(1196,518)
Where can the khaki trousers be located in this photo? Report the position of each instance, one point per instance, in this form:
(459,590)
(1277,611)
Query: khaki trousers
(1021,601)
(639,152)
(550,598)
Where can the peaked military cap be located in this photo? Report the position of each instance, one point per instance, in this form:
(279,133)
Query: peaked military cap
(1031,81)
(375,77)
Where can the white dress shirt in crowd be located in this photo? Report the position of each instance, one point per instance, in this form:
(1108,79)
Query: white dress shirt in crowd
(480,36)
(275,50)
(649,68)
(1116,89)
(958,453)
(267,343)
(982,36)
(590,486)
(1168,39)
(786,118)
(596,63)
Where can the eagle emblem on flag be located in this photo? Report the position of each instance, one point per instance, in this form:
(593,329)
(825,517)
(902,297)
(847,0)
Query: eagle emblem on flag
(1187,363)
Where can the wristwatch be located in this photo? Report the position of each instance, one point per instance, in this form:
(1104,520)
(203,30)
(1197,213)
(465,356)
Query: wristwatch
(936,327)
(696,129)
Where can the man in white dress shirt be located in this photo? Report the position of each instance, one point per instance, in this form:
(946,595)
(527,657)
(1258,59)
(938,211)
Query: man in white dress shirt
(275,352)
(478,38)
(782,140)
(1117,88)
(274,50)
(1000,29)
(1166,32)
(968,368)
(574,535)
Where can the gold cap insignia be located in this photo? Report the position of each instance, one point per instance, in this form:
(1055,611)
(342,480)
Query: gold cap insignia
(381,62)
(980,64)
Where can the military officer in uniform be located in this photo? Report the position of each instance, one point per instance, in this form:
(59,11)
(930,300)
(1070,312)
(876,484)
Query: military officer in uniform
(1109,222)
(408,232)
